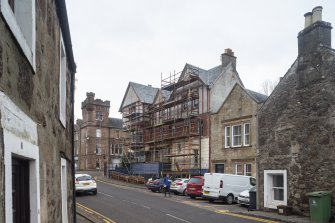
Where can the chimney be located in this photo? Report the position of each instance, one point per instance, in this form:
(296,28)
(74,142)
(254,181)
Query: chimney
(90,96)
(227,57)
(315,33)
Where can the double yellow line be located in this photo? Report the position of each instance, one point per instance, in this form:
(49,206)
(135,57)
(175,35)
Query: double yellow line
(226,212)
(103,218)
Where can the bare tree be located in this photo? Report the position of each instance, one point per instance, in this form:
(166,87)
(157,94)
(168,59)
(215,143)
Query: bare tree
(268,86)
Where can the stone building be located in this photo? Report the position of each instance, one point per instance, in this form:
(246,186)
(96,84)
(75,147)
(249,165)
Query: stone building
(37,73)
(234,133)
(174,121)
(296,142)
(100,140)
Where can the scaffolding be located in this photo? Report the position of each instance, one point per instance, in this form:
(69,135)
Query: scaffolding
(174,132)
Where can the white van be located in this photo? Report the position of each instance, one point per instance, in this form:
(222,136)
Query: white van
(226,187)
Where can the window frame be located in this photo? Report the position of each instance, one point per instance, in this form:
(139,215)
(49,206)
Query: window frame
(19,32)
(269,200)
(236,168)
(245,169)
(246,135)
(233,136)
(227,136)
(62,81)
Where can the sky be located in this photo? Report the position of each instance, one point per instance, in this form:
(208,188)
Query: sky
(115,42)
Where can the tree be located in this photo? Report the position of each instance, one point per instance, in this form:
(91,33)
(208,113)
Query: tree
(268,86)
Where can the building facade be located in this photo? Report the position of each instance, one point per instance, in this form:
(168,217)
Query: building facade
(37,73)
(234,133)
(100,141)
(296,125)
(175,121)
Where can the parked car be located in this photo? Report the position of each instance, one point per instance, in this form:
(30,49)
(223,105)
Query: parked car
(226,187)
(156,185)
(150,180)
(243,197)
(194,186)
(84,183)
(178,186)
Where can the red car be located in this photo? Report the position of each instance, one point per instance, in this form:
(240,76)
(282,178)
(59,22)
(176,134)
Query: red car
(194,186)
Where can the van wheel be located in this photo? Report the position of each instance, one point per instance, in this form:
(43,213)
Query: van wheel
(230,199)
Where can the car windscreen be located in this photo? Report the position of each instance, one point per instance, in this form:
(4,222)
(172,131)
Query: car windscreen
(84,178)
(195,181)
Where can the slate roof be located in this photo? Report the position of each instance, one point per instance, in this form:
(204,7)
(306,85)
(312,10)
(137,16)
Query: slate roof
(207,76)
(145,93)
(115,123)
(257,96)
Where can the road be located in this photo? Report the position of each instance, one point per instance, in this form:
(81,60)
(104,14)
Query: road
(123,204)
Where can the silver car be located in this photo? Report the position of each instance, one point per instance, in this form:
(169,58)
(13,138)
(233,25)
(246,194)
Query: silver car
(178,186)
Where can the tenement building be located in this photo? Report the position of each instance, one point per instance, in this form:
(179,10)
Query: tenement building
(296,152)
(100,141)
(37,73)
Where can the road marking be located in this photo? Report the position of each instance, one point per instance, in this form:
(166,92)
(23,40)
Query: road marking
(105,194)
(104,218)
(146,207)
(180,219)
(226,212)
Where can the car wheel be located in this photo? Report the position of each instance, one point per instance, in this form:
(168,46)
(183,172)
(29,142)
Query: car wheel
(152,190)
(160,190)
(191,196)
(230,199)
(95,192)
(184,192)
(211,200)
(176,193)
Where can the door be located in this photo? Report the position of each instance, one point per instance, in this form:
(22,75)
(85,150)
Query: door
(20,190)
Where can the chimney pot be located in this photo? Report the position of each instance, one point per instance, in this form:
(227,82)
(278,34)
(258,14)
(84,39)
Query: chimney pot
(308,19)
(317,14)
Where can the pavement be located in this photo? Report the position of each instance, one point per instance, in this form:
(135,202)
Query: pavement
(84,217)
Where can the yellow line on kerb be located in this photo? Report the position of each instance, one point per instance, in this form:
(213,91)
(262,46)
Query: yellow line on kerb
(226,212)
(104,218)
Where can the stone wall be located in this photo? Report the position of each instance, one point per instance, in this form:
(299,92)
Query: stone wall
(37,94)
(296,129)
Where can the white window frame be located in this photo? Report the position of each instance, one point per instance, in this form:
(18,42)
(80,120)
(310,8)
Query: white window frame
(22,26)
(227,136)
(16,123)
(64,190)
(245,169)
(62,82)
(245,135)
(233,136)
(236,165)
(98,133)
(269,201)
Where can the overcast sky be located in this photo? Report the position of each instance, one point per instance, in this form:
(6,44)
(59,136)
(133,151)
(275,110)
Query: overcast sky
(115,42)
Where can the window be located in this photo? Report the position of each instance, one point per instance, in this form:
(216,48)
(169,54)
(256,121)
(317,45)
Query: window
(238,169)
(97,164)
(219,168)
(196,158)
(246,139)
(98,115)
(275,188)
(20,18)
(227,137)
(247,169)
(237,138)
(195,103)
(62,84)
(98,133)
(185,105)
(64,190)
(97,150)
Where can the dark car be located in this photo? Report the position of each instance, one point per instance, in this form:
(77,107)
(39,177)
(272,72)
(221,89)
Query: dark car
(156,185)
(194,186)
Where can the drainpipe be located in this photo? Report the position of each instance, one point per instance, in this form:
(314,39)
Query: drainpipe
(73,154)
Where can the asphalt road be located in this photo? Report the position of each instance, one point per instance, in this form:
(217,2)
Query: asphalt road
(124,204)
